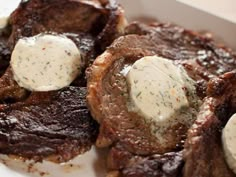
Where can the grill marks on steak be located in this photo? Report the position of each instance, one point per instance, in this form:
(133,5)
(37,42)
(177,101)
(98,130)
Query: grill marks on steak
(204,154)
(108,91)
(54,125)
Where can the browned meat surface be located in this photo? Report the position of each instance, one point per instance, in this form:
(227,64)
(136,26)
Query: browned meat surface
(4,50)
(98,18)
(108,90)
(54,125)
(200,55)
(92,25)
(166,165)
(10,91)
(204,154)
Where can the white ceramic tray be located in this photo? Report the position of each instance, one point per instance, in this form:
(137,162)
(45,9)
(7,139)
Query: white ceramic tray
(214,16)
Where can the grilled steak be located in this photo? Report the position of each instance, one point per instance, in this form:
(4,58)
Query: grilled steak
(10,91)
(9,88)
(100,19)
(4,50)
(92,25)
(199,54)
(166,165)
(108,91)
(54,125)
(204,154)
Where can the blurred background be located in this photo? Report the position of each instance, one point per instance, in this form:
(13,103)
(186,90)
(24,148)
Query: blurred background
(215,16)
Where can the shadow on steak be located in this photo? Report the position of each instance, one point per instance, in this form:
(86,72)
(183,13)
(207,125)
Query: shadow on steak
(92,25)
(203,153)
(107,96)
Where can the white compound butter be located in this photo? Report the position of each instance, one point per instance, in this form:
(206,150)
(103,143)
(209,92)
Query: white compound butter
(6,8)
(45,62)
(158,89)
(229,142)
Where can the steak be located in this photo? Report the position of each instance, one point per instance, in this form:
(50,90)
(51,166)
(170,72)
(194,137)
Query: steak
(199,54)
(56,125)
(107,96)
(100,19)
(166,165)
(92,25)
(4,50)
(9,89)
(53,125)
(203,152)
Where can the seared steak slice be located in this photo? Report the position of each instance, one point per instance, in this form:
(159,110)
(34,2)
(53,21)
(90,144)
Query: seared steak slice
(130,165)
(108,89)
(200,55)
(10,91)
(204,154)
(92,25)
(54,125)
(166,165)
(4,50)
(36,16)
(97,18)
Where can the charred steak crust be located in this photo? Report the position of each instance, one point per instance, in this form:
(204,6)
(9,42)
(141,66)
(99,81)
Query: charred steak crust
(203,153)
(166,165)
(103,20)
(130,165)
(199,54)
(107,89)
(36,16)
(107,86)
(54,125)
(92,25)
(4,50)
(9,89)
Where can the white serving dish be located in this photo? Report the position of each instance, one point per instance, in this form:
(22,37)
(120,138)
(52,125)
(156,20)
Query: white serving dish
(199,15)
(93,163)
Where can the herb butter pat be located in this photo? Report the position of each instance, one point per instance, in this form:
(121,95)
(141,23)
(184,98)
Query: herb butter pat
(159,90)
(45,62)
(229,142)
